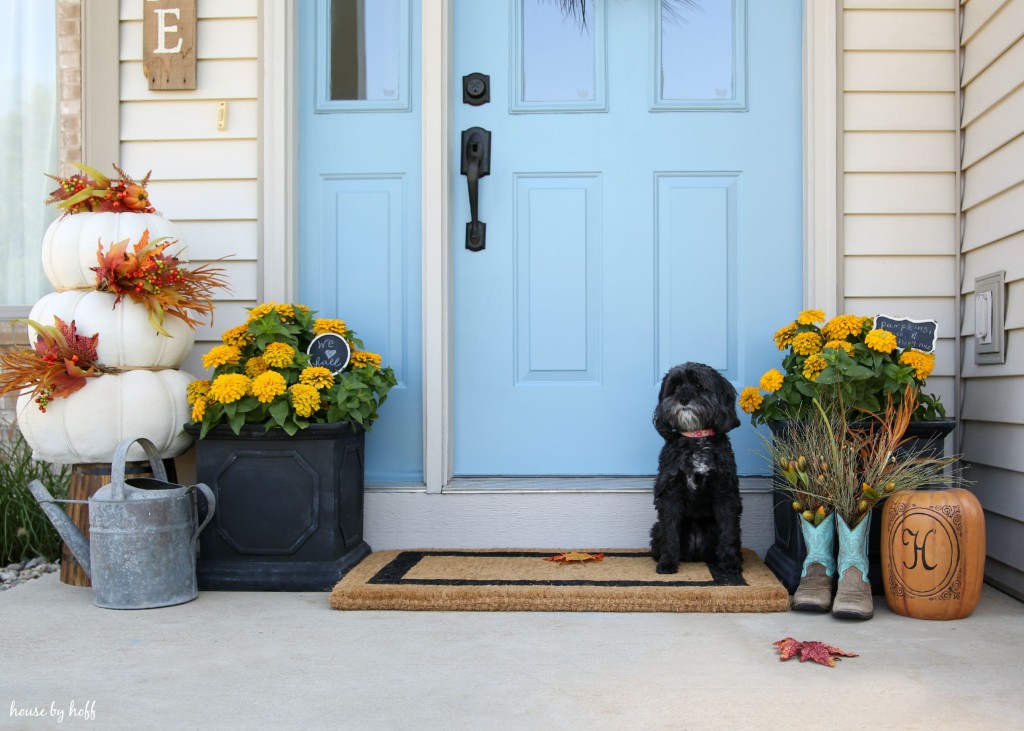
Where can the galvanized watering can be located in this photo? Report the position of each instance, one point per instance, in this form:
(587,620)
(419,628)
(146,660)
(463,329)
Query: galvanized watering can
(143,533)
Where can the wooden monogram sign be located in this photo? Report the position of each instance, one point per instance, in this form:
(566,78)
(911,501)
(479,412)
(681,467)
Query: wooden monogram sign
(169,44)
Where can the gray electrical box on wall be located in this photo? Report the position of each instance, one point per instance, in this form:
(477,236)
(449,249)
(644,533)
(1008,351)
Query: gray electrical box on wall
(989,340)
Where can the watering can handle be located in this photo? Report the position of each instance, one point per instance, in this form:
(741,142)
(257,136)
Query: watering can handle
(121,456)
(211,501)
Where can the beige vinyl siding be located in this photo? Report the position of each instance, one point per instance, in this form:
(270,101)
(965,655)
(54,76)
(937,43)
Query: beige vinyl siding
(204,179)
(993,240)
(899,154)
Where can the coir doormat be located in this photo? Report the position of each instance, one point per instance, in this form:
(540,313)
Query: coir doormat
(521,580)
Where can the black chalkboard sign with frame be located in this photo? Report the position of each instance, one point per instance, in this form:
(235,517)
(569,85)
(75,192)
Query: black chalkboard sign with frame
(916,334)
(330,351)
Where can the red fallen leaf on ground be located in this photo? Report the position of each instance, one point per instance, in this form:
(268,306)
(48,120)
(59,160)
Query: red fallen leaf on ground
(819,652)
(576,556)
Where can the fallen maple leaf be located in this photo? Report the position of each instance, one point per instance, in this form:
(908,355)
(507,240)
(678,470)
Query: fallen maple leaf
(577,556)
(788,647)
(819,652)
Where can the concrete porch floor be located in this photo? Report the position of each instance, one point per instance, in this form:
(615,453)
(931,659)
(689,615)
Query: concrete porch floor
(287,661)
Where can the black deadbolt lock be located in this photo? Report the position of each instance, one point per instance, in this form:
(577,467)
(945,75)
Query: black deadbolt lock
(476,89)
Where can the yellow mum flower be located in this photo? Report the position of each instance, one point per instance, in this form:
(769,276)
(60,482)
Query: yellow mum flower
(809,317)
(229,387)
(285,312)
(316,377)
(237,336)
(840,345)
(750,399)
(813,367)
(881,340)
(267,386)
(922,363)
(807,343)
(279,355)
(255,366)
(221,355)
(260,310)
(303,309)
(771,381)
(784,336)
(361,359)
(305,399)
(197,390)
(321,326)
(843,326)
(198,410)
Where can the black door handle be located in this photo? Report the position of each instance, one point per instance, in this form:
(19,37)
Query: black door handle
(476,164)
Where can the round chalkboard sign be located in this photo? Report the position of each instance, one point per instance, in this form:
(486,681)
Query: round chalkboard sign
(330,351)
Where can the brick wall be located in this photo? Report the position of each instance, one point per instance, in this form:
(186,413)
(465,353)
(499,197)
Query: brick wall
(69,64)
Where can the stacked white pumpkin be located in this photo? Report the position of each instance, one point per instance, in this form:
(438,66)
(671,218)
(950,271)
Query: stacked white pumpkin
(146,397)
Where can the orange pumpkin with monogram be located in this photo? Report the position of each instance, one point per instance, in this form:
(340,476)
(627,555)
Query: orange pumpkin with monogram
(933,553)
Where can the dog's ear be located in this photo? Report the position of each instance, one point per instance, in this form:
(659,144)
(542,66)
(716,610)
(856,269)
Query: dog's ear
(668,385)
(670,381)
(727,405)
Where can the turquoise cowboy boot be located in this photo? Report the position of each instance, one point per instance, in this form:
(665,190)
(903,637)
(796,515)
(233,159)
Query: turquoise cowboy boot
(853,597)
(814,594)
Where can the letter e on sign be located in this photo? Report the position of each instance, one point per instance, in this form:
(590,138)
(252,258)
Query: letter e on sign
(169,44)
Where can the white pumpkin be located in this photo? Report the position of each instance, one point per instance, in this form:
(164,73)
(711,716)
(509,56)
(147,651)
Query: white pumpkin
(87,425)
(70,243)
(126,336)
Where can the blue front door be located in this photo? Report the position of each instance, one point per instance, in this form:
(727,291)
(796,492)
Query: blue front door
(359,200)
(642,208)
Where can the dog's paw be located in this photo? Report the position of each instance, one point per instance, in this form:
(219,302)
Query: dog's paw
(731,569)
(666,566)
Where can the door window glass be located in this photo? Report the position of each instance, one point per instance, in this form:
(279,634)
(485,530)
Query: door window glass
(362,50)
(559,56)
(700,60)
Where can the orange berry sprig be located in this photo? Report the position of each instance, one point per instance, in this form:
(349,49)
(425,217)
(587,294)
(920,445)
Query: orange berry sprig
(151,276)
(91,190)
(59,363)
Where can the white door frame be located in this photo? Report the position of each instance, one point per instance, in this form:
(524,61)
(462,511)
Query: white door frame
(278,225)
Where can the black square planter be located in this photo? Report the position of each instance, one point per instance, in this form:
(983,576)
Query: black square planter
(786,556)
(289,513)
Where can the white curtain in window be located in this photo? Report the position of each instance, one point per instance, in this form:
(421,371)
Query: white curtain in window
(28,143)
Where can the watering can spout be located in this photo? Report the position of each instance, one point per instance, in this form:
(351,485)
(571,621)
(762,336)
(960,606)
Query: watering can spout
(69,532)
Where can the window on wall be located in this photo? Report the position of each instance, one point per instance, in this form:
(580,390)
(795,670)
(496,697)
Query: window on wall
(28,144)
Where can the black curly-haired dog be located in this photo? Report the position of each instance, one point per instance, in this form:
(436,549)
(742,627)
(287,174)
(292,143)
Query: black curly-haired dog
(697,492)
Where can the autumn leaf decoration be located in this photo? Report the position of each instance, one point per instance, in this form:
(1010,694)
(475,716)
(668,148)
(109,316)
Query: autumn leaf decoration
(57,366)
(93,191)
(150,276)
(819,652)
(575,557)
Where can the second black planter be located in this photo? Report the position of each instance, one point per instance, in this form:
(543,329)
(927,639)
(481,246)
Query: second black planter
(289,508)
(786,556)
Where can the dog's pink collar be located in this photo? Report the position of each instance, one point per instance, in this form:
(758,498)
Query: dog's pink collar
(699,433)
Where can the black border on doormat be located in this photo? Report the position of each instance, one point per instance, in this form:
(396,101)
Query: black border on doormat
(382,582)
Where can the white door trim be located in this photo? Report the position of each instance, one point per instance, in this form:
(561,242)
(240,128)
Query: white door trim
(436,91)
(277,224)
(822,254)
(278,179)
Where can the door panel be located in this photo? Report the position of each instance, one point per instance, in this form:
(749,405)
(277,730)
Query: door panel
(359,200)
(628,229)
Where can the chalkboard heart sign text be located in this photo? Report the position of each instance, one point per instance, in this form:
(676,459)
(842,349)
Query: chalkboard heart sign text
(916,334)
(329,351)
